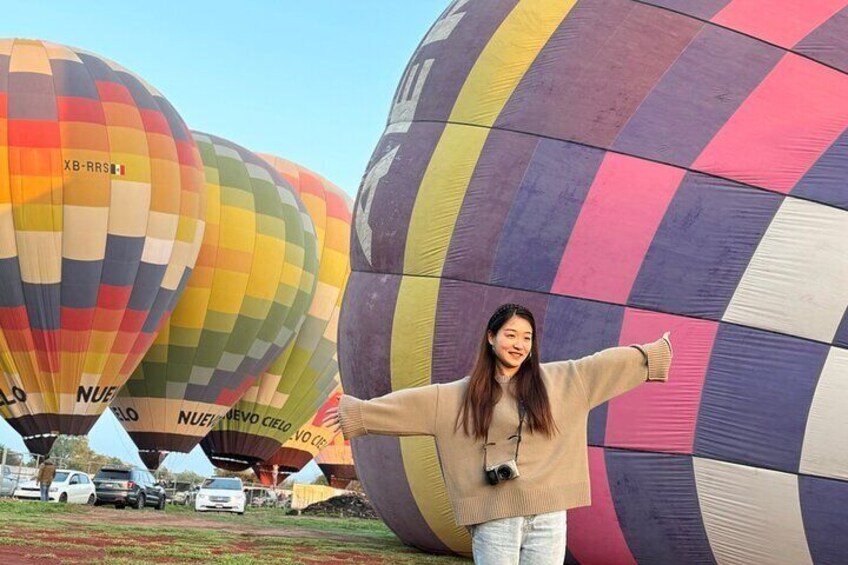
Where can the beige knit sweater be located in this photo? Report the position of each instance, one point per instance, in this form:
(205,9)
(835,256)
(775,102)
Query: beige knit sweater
(554,472)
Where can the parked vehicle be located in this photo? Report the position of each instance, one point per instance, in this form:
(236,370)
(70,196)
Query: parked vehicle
(122,486)
(191,496)
(260,497)
(68,486)
(8,482)
(176,490)
(221,494)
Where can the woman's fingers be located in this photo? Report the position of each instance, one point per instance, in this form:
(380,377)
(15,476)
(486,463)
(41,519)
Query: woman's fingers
(331,419)
(331,425)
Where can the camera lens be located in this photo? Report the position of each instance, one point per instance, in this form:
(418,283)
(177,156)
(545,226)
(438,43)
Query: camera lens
(504,472)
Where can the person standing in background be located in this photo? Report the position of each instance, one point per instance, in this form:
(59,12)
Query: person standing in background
(44,478)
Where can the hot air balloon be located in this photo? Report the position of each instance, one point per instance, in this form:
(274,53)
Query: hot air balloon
(336,462)
(622,168)
(301,448)
(243,305)
(300,380)
(268,477)
(101,207)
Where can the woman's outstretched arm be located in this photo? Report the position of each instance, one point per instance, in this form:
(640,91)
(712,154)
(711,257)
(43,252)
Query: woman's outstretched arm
(406,412)
(616,370)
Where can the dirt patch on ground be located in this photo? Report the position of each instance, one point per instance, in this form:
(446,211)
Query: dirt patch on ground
(197,521)
(84,555)
(46,546)
(344,558)
(33,556)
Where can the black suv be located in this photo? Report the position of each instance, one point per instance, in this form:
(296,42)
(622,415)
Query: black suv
(128,486)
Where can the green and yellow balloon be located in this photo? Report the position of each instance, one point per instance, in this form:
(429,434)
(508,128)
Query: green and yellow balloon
(299,381)
(243,306)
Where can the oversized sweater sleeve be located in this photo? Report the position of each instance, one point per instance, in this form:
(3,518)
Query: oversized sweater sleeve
(616,370)
(406,412)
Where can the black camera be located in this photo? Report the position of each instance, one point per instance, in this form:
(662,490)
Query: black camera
(502,472)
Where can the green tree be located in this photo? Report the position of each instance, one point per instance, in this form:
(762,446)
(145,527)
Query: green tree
(73,452)
(62,448)
(164,474)
(12,457)
(188,477)
(245,476)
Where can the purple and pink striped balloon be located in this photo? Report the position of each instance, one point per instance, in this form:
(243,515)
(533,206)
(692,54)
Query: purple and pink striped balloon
(625,167)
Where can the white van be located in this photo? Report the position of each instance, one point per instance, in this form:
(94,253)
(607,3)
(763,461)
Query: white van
(220,494)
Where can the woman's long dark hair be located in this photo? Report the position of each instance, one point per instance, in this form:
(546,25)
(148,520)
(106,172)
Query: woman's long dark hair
(484,392)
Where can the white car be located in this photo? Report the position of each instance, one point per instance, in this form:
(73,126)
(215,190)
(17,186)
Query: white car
(68,486)
(220,494)
(8,482)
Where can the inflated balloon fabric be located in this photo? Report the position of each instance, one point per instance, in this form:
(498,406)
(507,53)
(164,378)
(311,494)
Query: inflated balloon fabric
(243,305)
(101,207)
(267,477)
(299,381)
(336,462)
(624,168)
(305,444)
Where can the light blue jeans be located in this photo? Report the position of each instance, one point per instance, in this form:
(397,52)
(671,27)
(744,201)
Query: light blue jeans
(524,540)
(45,492)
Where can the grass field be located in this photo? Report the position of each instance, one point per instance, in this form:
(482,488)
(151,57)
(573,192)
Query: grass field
(36,533)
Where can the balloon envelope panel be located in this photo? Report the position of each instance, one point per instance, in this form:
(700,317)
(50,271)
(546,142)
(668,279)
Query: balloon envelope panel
(622,169)
(246,300)
(300,380)
(101,218)
(305,444)
(336,462)
(267,477)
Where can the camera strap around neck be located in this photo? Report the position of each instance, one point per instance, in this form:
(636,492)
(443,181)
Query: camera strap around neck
(521,413)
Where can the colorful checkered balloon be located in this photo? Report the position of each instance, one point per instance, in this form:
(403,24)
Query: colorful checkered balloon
(255,279)
(300,380)
(101,207)
(624,168)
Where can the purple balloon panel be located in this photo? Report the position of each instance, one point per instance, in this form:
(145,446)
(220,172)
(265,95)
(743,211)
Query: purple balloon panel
(756,398)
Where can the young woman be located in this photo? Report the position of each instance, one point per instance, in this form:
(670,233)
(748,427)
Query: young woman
(512,435)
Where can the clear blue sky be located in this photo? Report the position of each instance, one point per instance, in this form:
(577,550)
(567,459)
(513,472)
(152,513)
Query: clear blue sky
(308,80)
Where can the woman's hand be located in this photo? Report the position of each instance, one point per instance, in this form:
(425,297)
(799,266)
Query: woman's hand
(331,419)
